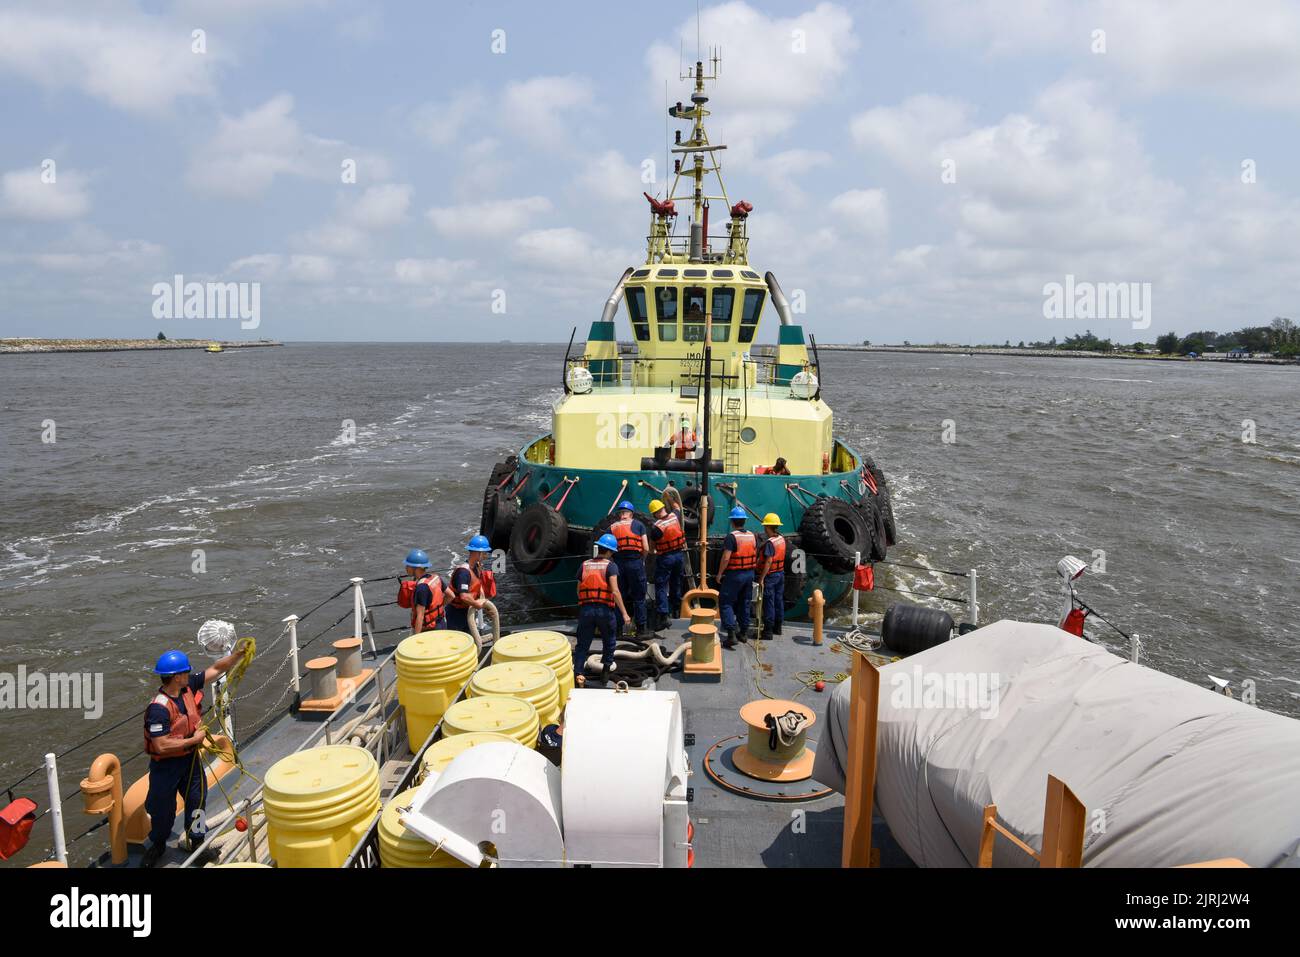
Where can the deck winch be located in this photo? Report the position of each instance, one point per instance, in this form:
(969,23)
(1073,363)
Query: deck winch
(772,760)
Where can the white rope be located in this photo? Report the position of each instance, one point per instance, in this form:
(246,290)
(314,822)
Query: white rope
(788,726)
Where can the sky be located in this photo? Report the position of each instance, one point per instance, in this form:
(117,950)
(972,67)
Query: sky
(473,172)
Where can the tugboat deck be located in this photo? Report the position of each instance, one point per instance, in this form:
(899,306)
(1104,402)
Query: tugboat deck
(730,829)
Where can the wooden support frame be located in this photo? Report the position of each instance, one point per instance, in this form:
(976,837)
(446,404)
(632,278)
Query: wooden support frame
(860,790)
(1064,823)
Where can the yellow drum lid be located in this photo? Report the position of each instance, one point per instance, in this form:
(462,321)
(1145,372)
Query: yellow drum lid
(392,828)
(398,847)
(526,678)
(434,645)
(442,753)
(531,646)
(489,713)
(320,773)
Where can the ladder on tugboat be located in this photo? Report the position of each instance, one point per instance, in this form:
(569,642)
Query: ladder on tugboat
(731,435)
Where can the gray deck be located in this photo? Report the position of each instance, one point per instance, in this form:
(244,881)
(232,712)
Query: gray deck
(731,830)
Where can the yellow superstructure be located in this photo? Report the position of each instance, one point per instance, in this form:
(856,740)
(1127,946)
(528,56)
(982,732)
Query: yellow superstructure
(625,401)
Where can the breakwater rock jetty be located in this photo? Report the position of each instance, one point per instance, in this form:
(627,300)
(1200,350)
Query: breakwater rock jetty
(120,345)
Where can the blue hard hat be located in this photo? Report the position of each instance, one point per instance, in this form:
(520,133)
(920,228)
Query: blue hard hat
(737,512)
(625,505)
(479,543)
(417,559)
(172,663)
(608,541)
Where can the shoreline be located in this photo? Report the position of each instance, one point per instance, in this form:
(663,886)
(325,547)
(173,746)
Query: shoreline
(25,346)
(1057,354)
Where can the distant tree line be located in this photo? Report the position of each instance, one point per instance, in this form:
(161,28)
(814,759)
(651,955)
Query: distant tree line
(1281,337)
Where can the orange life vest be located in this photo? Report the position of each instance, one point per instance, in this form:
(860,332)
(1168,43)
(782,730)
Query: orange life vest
(183,723)
(593,583)
(684,442)
(745,556)
(435,612)
(777,564)
(475,588)
(628,541)
(672,539)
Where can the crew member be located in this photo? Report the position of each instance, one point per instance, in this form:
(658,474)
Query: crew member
(173,732)
(683,440)
(772,574)
(598,600)
(779,468)
(736,574)
(669,536)
(633,545)
(428,612)
(467,586)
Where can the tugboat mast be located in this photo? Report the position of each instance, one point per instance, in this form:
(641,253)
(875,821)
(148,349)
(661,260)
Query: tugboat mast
(700,146)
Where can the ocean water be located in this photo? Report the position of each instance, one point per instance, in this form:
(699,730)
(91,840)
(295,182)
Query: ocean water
(246,457)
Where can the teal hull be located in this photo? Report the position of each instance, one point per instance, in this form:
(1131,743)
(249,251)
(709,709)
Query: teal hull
(588,501)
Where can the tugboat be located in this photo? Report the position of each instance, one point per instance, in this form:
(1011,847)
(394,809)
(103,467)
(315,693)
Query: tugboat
(692,409)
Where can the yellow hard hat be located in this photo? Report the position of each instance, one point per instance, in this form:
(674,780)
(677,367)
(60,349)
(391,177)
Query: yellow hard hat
(771,519)
(655,506)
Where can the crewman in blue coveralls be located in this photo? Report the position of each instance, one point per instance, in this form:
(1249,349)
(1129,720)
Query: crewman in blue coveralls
(598,598)
(633,545)
(736,574)
(173,732)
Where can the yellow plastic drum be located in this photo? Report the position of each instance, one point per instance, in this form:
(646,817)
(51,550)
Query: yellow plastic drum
(513,717)
(319,804)
(530,680)
(431,668)
(398,847)
(549,647)
(441,753)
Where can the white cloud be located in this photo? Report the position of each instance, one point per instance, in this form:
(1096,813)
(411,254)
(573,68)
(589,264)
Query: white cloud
(535,109)
(568,249)
(909,134)
(863,211)
(1250,54)
(380,207)
(786,170)
(487,220)
(135,63)
(299,268)
(337,239)
(429,272)
(25,195)
(249,151)
(444,124)
(776,68)
(608,176)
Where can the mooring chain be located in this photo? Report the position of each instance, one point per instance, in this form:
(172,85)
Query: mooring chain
(288,655)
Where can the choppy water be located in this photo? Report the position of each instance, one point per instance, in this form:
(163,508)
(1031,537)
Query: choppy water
(243,456)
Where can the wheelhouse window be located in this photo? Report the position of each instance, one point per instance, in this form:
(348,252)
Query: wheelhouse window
(752,306)
(637,313)
(724,297)
(666,311)
(694,305)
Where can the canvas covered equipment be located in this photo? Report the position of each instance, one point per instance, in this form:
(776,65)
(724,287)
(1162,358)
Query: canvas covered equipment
(1170,773)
